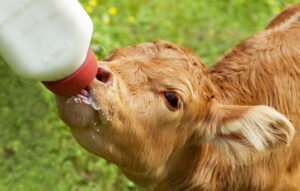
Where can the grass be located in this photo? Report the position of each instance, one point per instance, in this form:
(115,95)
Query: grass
(37,151)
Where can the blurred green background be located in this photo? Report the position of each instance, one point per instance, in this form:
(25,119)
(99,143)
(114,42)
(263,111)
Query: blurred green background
(37,151)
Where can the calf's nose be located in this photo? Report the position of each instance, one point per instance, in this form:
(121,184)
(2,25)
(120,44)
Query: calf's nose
(104,75)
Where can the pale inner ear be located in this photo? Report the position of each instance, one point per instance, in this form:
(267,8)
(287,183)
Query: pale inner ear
(246,133)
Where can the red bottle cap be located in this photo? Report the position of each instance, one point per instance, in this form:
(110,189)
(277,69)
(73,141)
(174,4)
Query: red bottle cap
(77,81)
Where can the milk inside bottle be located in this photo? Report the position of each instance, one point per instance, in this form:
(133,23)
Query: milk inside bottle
(48,40)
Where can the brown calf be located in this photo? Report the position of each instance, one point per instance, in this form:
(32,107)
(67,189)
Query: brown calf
(170,123)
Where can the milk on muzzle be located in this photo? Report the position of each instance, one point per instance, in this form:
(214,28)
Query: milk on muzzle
(48,40)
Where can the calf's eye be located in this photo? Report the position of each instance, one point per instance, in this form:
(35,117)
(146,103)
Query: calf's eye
(172,99)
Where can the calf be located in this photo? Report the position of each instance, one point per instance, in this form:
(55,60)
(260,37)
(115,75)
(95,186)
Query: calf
(170,123)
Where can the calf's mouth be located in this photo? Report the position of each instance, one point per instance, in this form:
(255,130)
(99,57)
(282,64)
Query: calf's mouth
(85,97)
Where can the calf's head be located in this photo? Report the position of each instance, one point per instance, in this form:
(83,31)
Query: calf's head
(154,99)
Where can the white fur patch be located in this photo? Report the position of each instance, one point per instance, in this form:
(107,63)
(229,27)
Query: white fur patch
(288,22)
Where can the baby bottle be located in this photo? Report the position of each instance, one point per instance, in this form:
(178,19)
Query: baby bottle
(48,40)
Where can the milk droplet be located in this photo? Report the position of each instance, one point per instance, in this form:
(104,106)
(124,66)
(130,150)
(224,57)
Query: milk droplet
(70,99)
(93,104)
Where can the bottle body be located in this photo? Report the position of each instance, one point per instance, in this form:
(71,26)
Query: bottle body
(45,40)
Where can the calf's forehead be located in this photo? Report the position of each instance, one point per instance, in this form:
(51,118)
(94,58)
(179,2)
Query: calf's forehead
(159,59)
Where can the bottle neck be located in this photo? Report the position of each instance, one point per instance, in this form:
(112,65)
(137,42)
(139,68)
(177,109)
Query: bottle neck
(78,80)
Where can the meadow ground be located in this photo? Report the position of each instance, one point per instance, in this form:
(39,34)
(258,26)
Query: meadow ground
(37,151)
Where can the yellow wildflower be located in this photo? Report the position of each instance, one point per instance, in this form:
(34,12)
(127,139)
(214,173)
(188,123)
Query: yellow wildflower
(271,1)
(161,5)
(211,32)
(106,20)
(112,10)
(89,9)
(276,10)
(131,19)
(92,3)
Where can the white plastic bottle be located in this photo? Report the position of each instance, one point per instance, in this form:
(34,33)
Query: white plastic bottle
(48,40)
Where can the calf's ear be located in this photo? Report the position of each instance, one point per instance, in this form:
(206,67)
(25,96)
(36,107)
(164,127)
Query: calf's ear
(246,133)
